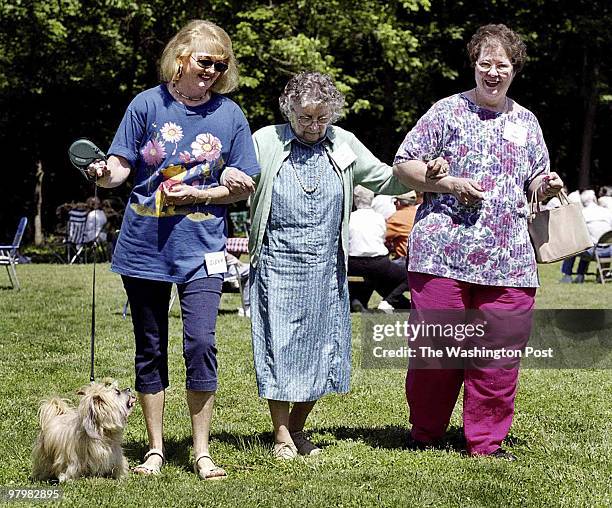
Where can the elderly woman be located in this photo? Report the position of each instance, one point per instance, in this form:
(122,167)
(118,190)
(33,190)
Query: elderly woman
(299,245)
(470,248)
(179,138)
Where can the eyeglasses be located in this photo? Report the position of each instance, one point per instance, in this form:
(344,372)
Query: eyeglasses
(306,121)
(502,68)
(205,63)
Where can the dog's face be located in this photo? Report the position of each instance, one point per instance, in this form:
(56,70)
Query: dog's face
(104,408)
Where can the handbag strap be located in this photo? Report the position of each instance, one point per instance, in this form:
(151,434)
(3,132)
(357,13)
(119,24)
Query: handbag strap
(535,204)
(563,198)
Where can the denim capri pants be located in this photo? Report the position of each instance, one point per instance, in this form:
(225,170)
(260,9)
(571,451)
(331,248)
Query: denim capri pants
(149,300)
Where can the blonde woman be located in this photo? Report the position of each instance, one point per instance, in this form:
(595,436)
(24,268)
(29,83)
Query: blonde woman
(178,139)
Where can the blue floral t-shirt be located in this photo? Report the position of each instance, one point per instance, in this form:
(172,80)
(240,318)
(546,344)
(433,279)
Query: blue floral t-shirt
(487,243)
(166,142)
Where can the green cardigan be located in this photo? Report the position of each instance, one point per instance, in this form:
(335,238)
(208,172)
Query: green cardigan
(353,162)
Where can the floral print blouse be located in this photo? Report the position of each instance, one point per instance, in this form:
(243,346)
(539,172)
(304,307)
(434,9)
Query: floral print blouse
(487,243)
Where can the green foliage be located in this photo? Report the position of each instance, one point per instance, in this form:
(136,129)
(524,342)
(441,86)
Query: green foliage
(68,68)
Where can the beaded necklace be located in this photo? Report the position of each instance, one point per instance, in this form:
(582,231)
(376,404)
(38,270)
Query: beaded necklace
(181,94)
(307,190)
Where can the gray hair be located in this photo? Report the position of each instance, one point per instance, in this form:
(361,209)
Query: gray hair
(587,197)
(311,88)
(362,197)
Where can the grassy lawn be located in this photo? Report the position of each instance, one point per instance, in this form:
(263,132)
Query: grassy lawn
(561,431)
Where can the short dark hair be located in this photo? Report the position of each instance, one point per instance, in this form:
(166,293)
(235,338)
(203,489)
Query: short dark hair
(508,39)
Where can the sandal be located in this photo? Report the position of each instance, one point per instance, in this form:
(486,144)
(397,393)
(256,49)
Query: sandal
(304,446)
(145,469)
(213,473)
(285,451)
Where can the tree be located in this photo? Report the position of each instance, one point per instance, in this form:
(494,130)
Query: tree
(69,68)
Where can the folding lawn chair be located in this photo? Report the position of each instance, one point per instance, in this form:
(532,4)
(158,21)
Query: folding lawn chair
(9,253)
(75,234)
(601,254)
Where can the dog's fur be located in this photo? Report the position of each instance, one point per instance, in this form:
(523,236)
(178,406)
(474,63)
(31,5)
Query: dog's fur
(83,441)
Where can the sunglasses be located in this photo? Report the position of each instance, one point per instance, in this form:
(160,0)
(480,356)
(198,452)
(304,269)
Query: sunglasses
(205,63)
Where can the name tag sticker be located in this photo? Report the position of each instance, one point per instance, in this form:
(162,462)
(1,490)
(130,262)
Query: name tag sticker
(515,133)
(343,156)
(215,262)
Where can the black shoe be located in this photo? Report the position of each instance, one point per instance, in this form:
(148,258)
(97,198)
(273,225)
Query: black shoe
(500,453)
(416,445)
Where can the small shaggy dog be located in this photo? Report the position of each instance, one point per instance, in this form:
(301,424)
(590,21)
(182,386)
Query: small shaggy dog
(83,441)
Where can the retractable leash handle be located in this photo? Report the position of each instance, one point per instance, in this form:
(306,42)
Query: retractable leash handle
(82,153)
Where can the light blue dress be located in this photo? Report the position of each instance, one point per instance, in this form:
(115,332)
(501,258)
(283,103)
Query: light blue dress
(300,306)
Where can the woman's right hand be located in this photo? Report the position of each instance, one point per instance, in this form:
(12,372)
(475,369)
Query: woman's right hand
(98,169)
(467,191)
(437,169)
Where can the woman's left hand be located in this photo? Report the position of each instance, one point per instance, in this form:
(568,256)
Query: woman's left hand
(180,194)
(551,185)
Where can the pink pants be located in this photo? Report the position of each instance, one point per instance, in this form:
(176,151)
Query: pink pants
(488,397)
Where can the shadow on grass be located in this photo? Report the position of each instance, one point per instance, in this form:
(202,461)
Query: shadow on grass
(178,451)
(389,437)
(394,437)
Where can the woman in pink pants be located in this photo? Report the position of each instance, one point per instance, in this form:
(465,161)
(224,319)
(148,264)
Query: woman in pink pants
(470,248)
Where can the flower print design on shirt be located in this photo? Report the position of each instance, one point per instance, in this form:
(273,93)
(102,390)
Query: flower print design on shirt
(172,133)
(185,157)
(206,147)
(153,153)
(192,168)
(487,243)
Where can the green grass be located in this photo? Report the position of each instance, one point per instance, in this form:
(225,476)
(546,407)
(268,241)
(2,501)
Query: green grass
(561,431)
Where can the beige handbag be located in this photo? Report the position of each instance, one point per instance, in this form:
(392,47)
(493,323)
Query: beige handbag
(558,233)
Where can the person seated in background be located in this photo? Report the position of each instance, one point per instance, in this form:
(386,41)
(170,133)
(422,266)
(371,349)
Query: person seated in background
(95,222)
(369,258)
(113,210)
(400,224)
(605,196)
(598,221)
(383,205)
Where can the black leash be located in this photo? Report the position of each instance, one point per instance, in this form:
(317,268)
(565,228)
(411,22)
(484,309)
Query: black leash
(92,377)
(82,153)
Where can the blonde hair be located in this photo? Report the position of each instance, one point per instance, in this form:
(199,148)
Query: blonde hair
(200,36)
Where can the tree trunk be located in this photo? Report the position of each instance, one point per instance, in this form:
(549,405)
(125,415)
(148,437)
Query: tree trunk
(590,95)
(587,140)
(38,232)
